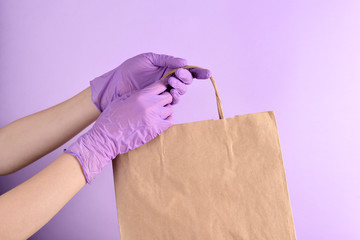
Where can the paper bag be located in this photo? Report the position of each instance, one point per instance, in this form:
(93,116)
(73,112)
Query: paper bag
(215,179)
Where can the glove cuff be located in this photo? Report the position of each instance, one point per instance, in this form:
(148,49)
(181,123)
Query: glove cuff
(81,163)
(95,94)
(90,157)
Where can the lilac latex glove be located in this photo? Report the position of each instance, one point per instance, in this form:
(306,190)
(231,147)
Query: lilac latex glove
(124,125)
(140,71)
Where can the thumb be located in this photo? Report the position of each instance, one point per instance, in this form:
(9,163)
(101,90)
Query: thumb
(162,60)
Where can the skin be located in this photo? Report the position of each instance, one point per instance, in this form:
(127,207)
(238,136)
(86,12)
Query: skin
(38,199)
(27,139)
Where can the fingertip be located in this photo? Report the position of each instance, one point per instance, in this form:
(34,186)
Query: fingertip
(171,109)
(176,96)
(170,119)
(184,75)
(172,82)
(166,123)
(174,92)
(200,73)
(208,73)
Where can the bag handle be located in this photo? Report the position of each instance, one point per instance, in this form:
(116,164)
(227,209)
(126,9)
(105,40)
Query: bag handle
(219,106)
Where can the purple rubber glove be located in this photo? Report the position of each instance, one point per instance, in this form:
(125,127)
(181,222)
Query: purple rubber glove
(124,125)
(140,71)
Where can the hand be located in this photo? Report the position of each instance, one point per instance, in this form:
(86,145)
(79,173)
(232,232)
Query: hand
(140,71)
(124,125)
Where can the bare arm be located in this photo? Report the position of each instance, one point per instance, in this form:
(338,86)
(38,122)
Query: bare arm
(38,199)
(27,139)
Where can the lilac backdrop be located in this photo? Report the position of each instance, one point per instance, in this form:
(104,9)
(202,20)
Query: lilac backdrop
(298,58)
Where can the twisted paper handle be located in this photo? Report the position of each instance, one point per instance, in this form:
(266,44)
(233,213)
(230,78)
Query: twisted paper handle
(219,106)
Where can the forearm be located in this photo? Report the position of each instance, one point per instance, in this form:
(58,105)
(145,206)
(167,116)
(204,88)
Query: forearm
(38,199)
(31,137)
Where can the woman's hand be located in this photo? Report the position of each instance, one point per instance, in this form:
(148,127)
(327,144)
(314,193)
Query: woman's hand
(124,125)
(139,72)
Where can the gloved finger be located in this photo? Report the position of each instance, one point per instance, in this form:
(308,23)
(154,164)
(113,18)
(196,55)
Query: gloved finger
(156,87)
(166,111)
(162,60)
(165,98)
(170,119)
(166,123)
(200,73)
(184,75)
(176,96)
(178,85)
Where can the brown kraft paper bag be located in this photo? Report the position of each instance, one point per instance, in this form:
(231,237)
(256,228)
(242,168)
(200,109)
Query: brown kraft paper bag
(215,179)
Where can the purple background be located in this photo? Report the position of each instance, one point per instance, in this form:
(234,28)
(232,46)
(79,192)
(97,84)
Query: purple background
(300,59)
